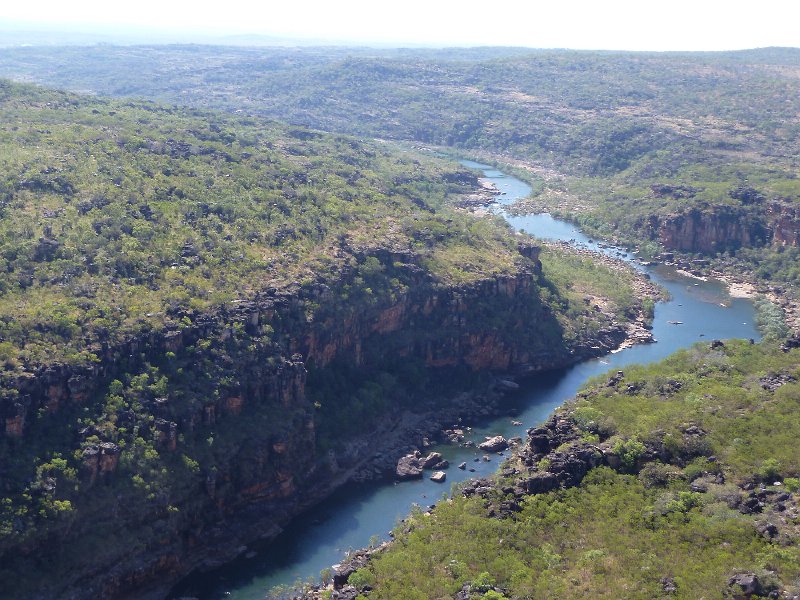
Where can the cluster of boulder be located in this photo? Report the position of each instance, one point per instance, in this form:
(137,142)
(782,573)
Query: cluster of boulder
(411,466)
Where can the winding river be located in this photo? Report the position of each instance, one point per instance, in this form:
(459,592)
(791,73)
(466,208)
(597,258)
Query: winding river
(358,514)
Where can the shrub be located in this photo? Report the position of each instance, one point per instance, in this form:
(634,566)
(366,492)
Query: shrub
(629,452)
(657,474)
(770,470)
(684,502)
(587,418)
(483,582)
(697,467)
(361,578)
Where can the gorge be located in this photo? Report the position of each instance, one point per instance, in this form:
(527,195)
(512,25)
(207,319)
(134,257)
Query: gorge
(360,513)
(219,332)
(213,325)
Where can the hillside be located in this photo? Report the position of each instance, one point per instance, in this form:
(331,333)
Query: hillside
(675,480)
(209,322)
(686,152)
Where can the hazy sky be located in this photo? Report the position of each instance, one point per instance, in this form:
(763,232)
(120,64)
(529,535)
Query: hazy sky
(594,24)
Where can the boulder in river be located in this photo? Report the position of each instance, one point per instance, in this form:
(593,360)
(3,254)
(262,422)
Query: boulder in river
(494,444)
(439,476)
(409,467)
(432,459)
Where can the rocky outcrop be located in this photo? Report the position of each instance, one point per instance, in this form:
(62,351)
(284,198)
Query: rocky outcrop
(710,230)
(785,223)
(713,229)
(746,585)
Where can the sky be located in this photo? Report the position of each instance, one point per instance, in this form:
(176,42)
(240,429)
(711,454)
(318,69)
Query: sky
(580,24)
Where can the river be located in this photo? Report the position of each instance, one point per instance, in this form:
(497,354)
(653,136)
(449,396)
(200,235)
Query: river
(358,514)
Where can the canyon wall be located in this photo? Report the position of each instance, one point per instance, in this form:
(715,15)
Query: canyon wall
(236,434)
(716,229)
(785,220)
(709,231)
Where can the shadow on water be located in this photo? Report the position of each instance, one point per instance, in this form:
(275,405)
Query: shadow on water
(357,513)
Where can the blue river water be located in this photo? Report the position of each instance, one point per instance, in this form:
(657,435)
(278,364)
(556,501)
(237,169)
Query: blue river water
(358,514)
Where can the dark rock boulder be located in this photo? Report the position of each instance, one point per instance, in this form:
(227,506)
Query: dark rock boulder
(432,459)
(767,530)
(539,441)
(791,343)
(541,483)
(409,467)
(668,585)
(348,592)
(615,379)
(354,562)
(744,585)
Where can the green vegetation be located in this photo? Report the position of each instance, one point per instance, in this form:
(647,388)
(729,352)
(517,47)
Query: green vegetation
(622,535)
(592,113)
(120,217)
(181,296)
(124,220)
(618,142)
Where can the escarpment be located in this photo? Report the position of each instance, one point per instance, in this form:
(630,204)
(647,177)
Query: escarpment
(709,231)
(785,221)
(715,229)
(221,427)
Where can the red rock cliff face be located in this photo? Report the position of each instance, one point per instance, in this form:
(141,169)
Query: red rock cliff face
(445,326)
(709,231)
(721,228)
(497,323)
(785,222)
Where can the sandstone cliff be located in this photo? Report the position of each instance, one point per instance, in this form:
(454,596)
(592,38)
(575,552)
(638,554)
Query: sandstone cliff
(218,413)
(714,229)
(709,231)
(785,221)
